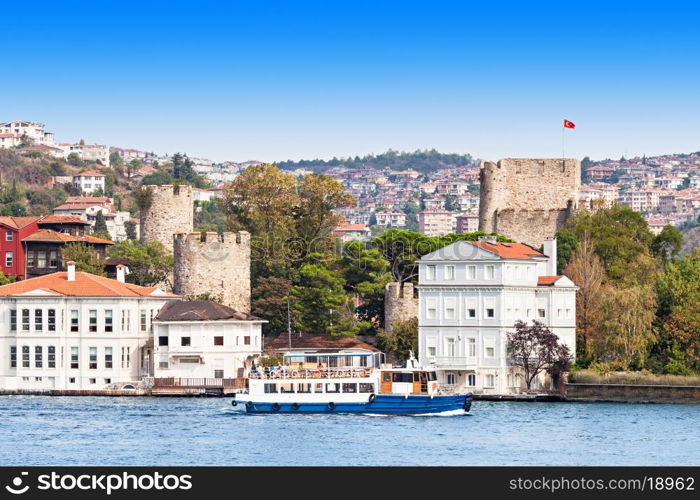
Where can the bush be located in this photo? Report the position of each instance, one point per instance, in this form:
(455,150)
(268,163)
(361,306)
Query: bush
(630,378)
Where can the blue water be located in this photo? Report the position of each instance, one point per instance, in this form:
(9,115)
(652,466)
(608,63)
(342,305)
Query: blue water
(41,430)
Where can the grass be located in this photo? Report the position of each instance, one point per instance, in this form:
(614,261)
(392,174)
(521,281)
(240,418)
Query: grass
(631,378)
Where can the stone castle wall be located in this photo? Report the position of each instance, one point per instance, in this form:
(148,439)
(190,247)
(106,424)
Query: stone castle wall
(399,305)
(528,199)
(171,210)
(216,265)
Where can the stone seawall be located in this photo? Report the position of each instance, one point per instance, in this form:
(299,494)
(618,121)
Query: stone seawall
(626,393)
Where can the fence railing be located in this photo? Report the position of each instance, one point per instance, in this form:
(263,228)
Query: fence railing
(236,383)
(292,373)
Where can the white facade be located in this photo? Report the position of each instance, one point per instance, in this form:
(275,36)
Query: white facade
(205,349)
(32,130)
(53,339)
(89,182)
(471,295)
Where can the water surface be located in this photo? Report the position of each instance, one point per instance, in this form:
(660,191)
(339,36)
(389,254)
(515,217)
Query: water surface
(41,430)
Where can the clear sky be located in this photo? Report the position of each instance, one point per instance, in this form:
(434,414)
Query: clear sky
(288,80)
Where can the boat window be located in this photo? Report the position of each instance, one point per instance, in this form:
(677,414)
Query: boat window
(333,387)
(386,376)
(286,387)
(303,388)
(269,388)
(416,376)
(318,387)
(432,376)
(366,387)
(402,377)
(363,360)
(333,362)
(349,387)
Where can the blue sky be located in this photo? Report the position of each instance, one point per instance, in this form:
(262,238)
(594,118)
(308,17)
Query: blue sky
(289,80)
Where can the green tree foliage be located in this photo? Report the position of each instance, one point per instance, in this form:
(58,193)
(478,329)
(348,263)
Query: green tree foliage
(75,160)
(100,228)
(208,216)
(667,243)
(183,170)
(678,315)
(159,178)
(5,279)
(401,341)
(270,300)
(85,258)
(149,263)
(130,228)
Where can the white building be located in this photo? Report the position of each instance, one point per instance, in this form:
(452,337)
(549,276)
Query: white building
(203,339)
(471,294)
(89,181)
(75,330)
(32,130)
(89,153)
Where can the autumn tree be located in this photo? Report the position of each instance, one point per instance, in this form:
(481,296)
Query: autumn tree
(535,349)
(586,271)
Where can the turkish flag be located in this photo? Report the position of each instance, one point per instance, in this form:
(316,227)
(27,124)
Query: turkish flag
(568,124)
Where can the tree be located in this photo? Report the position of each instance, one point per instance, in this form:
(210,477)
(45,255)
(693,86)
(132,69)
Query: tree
(270,300)
(667,243)
(85,258)
(586,271)
(133,166)
(402,340)
(150,264)
(75,160)
(678,315)
(566,246)
(5,279)
(314,216)
(130,228)
(535,349)
(627,321)
(100,228)
(402,249)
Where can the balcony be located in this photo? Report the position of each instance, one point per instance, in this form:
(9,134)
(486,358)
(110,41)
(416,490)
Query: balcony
(454,362)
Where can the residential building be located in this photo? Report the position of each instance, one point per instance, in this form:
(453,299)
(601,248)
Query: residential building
(90,153)
(43,250)
(203,339)
(350,232)
(33,131)
(436,222)
(90,181)
(75,330)
(471,293)
(467,223)
(12,231)
(391,219)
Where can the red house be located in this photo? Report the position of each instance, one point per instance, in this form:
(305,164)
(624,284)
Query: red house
(12,231)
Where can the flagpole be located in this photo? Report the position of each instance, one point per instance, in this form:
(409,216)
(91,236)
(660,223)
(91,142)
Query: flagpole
(563,156)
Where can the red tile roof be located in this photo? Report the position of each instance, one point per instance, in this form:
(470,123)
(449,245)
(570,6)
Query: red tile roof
(89,172)
(61,219)
(547,280)
(85,285)
(77,206)
(55,236)
(90,200)
(509,250)
(18,222)
(351,227)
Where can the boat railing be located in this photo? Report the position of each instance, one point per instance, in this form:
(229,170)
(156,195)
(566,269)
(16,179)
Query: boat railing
(308,373)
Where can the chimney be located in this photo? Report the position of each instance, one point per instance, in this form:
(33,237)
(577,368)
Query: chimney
(488,239)
(70,265)
(550,250)
(121,273)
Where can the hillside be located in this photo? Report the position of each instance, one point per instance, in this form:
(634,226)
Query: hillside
(691,239)
(424,161)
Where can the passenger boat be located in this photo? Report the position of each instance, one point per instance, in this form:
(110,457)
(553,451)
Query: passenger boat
(330,388)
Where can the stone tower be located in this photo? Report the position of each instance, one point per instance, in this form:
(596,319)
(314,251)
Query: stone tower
(527,199)
(219,265)
(399,304)
(170,210)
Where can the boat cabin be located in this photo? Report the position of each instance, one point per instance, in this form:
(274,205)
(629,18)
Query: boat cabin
(408,381)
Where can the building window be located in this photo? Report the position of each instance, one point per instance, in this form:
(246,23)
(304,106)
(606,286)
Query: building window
(41,259)
(163,340)
(71,380)
(93,320)
(218,374)
(30,259)
(108,381)
(449,272)
(218,341)
(163,365)
(490,312)
(471,380)
(93,358)
(541,313)
(74,358)
(450,311)
(450,347)
(93,380)
(38,319)
(490,380)
(52,320)
(471,313)
(108,320)
(490,351)
(9,236)
(451,379)
(128,357)
(471,347)
(9,259)
(13,356)
(430,273)
(53,259)
(25,320)
(431,351)
(74,320)
(13,320)
(471,272)
(108,357)
(246,340)
(143,320)
(52,356)
(38,357)
(490,272)
(25,356)
(185,341)
(431,309)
